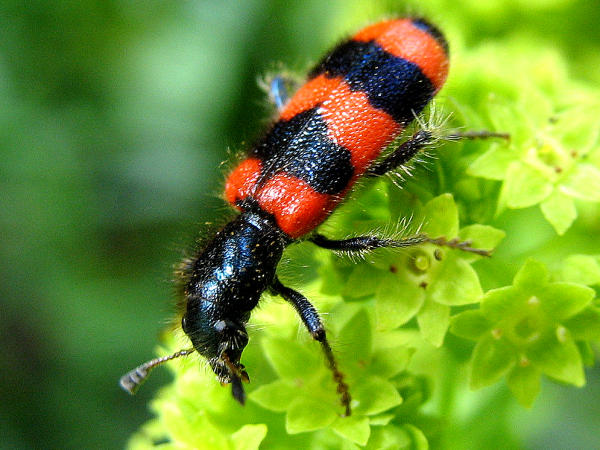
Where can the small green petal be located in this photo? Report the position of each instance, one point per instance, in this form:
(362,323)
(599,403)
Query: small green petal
(532,276)
(388,362)
(583,183)
(249,437)
(492,165)
(381,420)
(470,325)
(441,215)
(397,302)
(433,320)
(492,358)
(193,430)
(524,382)
(275,396)
(401,201)
(390,437)
(497,304)
(354,428)
(588,356)
(524,186)
(557,356)
(456,283)
(559,210)
(356,336)
(483,237)
(308,414)
(363,281)
(150,432)
(563,300)
(585,325)
(374,395)
(333,278)
(290,359)
(583,269)
(419,441)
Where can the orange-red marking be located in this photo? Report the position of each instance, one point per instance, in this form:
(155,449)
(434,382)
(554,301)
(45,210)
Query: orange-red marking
(403,39)
(309,95)
(242,180)
(347,114)
(297,207)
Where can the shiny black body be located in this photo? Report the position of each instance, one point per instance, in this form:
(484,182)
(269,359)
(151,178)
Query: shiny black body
(223,281)
(303,147)
(400,87)
(224,284)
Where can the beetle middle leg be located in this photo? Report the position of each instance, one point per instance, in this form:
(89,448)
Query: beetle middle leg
(368,243)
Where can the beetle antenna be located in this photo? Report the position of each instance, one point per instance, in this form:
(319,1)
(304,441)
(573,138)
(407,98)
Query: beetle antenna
(131,381)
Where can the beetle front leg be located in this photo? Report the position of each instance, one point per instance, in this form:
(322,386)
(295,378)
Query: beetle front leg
(312,321)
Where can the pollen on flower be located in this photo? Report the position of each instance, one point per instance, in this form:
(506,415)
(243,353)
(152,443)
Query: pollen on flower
(524,361)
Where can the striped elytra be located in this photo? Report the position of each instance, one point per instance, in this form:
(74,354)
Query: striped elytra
(356,101)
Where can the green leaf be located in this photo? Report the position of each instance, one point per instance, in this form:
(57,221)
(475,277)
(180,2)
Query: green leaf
(401,202)
(481,236)
(363,281)
(470,325)
(587,353)
(398,300)
(583,183)
(563,300)
(498,304)
(275,396)
(333,279)
(532,276)
(524,382)
(455,284)
(249,437)
(388,362)
(290,359)
(419,441)
(354,428)
(441,215)
(492,358)
(198,429)
(559,210)
(492,165)
(356,336)
(374,395)
(524,186)
(585,325)
(581,269)
(433,320)
(557,356)
(390,437)
(381,420)
(308,414)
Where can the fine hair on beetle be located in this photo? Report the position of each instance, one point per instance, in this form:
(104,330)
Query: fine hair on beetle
(349,121)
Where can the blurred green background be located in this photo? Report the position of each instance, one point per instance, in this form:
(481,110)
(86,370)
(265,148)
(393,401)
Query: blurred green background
(114,118)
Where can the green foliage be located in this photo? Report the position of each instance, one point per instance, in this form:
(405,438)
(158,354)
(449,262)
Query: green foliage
(523,331)
(115,116)
(409,327)
(534,327)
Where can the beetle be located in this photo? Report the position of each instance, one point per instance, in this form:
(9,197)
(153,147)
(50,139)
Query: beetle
(357,100)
